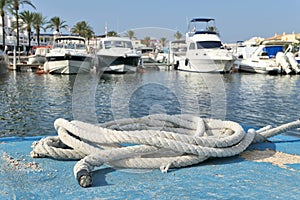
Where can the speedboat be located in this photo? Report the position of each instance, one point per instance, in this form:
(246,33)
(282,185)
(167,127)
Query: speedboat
(205,51)
(268,58)
(39,56)
(69,55)
(117,55)
(4,63)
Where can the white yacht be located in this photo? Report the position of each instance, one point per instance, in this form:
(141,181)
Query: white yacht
(117,55)
(69,55)
(205,51)
(268,58)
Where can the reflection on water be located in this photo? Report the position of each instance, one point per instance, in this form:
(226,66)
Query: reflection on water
(258,99)
(29,103)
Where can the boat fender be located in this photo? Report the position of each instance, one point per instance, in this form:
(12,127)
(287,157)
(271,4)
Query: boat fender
(292,60)
(40,71)
(176,65)
(186,62)
(282,61)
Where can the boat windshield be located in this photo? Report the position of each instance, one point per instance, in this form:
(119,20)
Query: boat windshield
(118,44)
(209,44)
(80,46)
(271,51)
(69,46)
(58,45)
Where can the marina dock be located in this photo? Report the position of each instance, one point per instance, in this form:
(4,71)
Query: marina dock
(268,170)
(21,64)
(24,67)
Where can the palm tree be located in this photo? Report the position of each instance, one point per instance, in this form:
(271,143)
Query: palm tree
(38,22)
(112,34)
(130,34)
(178,35)
(15,5)
(146,41)
(27,18)
(213,29)
(57,24)
(3,6)
(83,29)
(89,34)
(163,41)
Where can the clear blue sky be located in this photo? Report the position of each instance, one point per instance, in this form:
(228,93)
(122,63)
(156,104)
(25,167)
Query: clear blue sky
(235,19)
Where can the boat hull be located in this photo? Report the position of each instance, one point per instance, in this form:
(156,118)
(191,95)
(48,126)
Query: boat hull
(205,65)
(37,60)
(256,67)
(73,65)
(118,64)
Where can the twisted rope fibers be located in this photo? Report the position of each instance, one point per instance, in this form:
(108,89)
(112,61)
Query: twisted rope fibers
(156,141)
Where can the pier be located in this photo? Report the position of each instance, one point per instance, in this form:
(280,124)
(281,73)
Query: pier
(24,67)
(21,64)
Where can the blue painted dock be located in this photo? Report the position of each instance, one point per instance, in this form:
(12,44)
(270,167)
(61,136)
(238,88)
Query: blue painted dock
(267,176)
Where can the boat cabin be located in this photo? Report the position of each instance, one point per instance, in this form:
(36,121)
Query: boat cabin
(268,52)
(115,42)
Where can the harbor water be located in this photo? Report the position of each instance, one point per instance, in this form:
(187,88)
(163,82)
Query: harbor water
(30,103)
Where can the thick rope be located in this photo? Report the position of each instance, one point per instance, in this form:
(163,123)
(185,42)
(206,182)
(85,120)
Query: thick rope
(154,141)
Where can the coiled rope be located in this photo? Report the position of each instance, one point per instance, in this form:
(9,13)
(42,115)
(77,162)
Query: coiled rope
(154,141)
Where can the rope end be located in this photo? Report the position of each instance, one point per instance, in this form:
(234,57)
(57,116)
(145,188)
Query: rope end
(84,178)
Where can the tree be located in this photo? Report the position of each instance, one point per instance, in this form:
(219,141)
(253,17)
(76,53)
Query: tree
(56,24)
(130,34)
(27,18)
(3,6)
(213,29)
(83,29)
(14,9)
(112,34)
(90,33)
(38,22)
(146,41)
(178,35)
(163,41)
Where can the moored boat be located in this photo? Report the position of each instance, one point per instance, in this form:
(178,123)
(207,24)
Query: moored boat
(69,55)
(205,51)
(268,58)
(117,55)
(39,56)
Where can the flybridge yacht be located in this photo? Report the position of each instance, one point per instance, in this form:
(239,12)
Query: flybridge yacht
(205,51)
(69,55)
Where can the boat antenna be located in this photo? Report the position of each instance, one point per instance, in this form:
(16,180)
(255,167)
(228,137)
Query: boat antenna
(105,31)
(187,24)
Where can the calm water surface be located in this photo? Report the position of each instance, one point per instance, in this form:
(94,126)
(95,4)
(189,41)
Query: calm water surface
(30,103)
